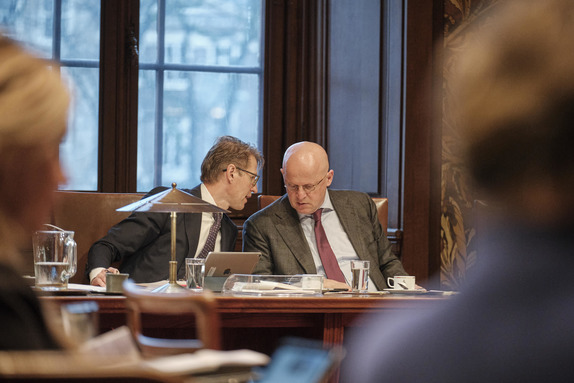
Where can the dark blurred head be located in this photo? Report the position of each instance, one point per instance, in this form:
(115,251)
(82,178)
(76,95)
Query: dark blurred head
(514,92)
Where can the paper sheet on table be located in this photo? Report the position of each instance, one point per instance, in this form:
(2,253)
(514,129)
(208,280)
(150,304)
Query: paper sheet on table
(269,287)
(77,286)
(205,361)
(154,285)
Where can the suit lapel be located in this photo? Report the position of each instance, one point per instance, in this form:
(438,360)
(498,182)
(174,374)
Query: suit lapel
(350,221)
(287,223)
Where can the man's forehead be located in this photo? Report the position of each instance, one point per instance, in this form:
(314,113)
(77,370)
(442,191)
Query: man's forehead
(300,177)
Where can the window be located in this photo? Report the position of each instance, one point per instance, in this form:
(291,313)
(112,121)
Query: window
(269,72)
(200,76)
(66,31)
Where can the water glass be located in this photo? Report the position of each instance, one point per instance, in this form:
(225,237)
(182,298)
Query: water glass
(55,253)
(194,273)
(360,276)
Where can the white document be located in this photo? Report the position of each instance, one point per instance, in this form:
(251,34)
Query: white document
(205,361)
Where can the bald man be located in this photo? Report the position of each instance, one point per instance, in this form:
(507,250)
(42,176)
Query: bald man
(284,231)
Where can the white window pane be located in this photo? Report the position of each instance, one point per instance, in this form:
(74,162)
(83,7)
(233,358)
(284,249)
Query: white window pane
(148,31)
(213,32)
(211,105)
(146,130)
(80,29)
(79,151)
(198,107)
(30,22)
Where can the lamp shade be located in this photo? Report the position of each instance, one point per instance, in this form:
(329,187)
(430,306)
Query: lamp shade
(172,200)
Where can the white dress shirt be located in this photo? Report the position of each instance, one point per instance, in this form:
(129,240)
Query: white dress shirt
(337,237)
(207,221)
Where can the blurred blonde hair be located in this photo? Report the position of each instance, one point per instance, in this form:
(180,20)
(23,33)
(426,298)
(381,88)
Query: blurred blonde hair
(33,100)
(33,114)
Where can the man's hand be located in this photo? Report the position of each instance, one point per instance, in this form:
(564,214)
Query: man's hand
(333,284)
(100,279)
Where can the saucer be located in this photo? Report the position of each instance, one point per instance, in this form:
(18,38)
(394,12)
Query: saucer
(396,291)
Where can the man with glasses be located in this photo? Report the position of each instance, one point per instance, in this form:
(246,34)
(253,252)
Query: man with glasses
(284,232)
(142,242)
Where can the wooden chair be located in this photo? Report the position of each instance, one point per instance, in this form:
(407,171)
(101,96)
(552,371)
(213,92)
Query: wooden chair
(90,216)
(208,328)
(382,205)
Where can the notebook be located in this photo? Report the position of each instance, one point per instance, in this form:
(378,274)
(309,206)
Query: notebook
(225,263)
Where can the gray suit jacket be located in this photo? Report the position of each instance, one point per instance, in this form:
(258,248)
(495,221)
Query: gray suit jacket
(276,232)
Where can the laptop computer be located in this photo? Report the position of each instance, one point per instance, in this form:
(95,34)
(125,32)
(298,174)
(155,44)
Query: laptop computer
(220,265)
(225,263)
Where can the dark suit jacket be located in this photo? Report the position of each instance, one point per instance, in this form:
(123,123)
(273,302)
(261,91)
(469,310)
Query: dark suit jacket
(22,325)
(276,232)
(142,243)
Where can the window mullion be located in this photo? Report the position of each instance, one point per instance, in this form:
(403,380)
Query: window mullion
(117,164)
(57,31)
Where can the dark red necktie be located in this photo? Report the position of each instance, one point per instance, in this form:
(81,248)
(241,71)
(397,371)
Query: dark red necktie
(326,254)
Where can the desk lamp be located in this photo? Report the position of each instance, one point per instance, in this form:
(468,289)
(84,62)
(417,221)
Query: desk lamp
(172,201)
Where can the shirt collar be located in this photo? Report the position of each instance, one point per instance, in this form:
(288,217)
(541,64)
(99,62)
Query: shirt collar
(206,195)
(327,205)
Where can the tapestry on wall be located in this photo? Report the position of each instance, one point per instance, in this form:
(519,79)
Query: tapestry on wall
(462,19)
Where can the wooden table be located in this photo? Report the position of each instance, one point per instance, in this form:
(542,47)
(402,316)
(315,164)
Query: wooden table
(259,322)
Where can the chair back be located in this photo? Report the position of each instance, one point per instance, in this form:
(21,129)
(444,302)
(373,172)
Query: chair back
(140,301)
(382,205)
(90,216)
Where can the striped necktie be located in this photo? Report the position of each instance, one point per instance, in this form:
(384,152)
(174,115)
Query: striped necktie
(210,242)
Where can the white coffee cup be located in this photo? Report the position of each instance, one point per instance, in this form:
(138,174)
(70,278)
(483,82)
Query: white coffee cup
(401,282)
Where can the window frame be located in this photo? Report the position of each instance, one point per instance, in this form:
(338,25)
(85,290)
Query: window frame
(295,93)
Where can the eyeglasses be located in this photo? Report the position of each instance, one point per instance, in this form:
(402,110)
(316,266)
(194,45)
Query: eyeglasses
(254,177)
(306,188)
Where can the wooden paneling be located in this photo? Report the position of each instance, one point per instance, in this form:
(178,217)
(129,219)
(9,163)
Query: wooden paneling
(421,230)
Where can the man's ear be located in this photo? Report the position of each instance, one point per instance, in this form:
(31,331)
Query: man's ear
(330,175)
(231,172)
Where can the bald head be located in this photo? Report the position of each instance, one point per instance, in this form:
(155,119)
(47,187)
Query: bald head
(306,157)
(306,174)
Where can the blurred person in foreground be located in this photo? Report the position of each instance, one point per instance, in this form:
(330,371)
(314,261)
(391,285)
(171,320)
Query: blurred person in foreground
(284,231)
(142,242)
(514,319)
(33,116)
